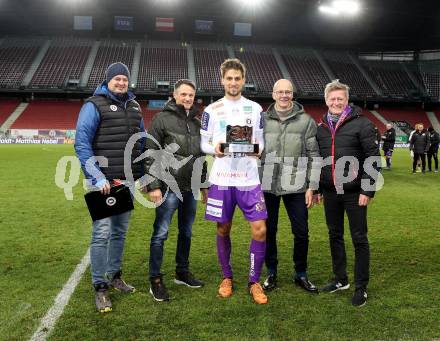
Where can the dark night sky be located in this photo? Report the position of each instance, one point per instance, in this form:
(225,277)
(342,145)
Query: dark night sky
(384,24)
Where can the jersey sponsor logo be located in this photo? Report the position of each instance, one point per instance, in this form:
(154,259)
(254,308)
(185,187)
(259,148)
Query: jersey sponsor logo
(232,174)
(217,105)
(205,121)
(214,211)
(247,108)
(215,202)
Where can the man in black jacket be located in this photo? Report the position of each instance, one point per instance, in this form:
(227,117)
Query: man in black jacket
(389,138)
(419,144)
(177,133)
(347,142)
(433,149)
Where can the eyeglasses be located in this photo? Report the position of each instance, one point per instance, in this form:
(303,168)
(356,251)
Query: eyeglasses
(283,92)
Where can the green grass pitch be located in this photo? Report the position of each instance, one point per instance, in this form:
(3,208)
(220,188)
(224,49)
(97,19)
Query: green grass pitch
(43,237)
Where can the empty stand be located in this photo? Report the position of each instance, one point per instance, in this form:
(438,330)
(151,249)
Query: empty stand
(207,60)
(16,56)
(262,68)
(49,115)
(377,123)
(64,60)
(7,106)
(391,78)
(430,75)
(307,73)
(110,51)
(408,114)
(348,73)
(317,111)
(161,62)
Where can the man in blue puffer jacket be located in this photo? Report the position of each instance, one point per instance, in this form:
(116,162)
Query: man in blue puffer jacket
(105,124)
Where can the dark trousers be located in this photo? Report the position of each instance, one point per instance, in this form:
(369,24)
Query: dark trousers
(416,157)
(334,206)
(433,154)
(298,215)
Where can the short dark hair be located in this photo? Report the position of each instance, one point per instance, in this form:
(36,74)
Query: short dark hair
(181,82)
(232,64)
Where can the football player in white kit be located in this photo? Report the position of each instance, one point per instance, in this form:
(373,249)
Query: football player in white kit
(234,177)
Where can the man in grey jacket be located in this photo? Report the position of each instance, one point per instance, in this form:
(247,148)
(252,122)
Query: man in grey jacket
(286,170)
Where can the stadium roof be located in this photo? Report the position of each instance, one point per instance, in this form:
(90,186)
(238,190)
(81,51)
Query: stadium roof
(382,25)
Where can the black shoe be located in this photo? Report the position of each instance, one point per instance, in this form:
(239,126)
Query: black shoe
(335,285)
(304,283)
(158,290)
(188,279)
(270,282)
(359,297)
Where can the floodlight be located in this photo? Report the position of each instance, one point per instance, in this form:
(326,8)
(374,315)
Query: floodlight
(328,10)
(340,7)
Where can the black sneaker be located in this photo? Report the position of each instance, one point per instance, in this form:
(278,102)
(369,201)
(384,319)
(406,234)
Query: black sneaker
(359,297)
(158,290)
(335,285)
(188,279)
(270,282)
(102,299)
(119,284)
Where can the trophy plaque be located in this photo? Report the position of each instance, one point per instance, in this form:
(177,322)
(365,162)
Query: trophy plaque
(239,140)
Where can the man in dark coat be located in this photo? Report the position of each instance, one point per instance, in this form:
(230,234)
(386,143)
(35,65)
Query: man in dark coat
(433,149)
(389,138)
(419,144)
(348,145)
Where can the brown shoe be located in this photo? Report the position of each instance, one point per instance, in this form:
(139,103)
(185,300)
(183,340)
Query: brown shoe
(257,293)
(225,289)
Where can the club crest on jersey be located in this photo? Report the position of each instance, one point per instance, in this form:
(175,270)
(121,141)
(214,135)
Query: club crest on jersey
(113,107)
(205,121)
(248,121)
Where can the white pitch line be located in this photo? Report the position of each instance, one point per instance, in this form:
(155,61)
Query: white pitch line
(50,319)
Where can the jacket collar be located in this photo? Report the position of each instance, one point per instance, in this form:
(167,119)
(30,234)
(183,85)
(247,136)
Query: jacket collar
(296,110)
(102,90)
(179,109)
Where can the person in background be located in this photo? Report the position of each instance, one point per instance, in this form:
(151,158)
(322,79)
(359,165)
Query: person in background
(433,149)
(389,138)
(419,144)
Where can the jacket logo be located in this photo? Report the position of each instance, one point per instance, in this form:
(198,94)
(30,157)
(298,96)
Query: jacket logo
(205,121)
(113,107)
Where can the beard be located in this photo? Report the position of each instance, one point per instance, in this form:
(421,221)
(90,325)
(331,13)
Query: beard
(233,93)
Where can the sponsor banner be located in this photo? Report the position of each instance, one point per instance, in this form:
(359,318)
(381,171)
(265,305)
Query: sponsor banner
(30,141)
(67,136)
(165,24)
(123,23)
(156,103)
(82,23)
(204,26)
(242,29)
(402,139)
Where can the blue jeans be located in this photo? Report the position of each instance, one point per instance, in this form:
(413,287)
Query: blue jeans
(107,246)
(164,214)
